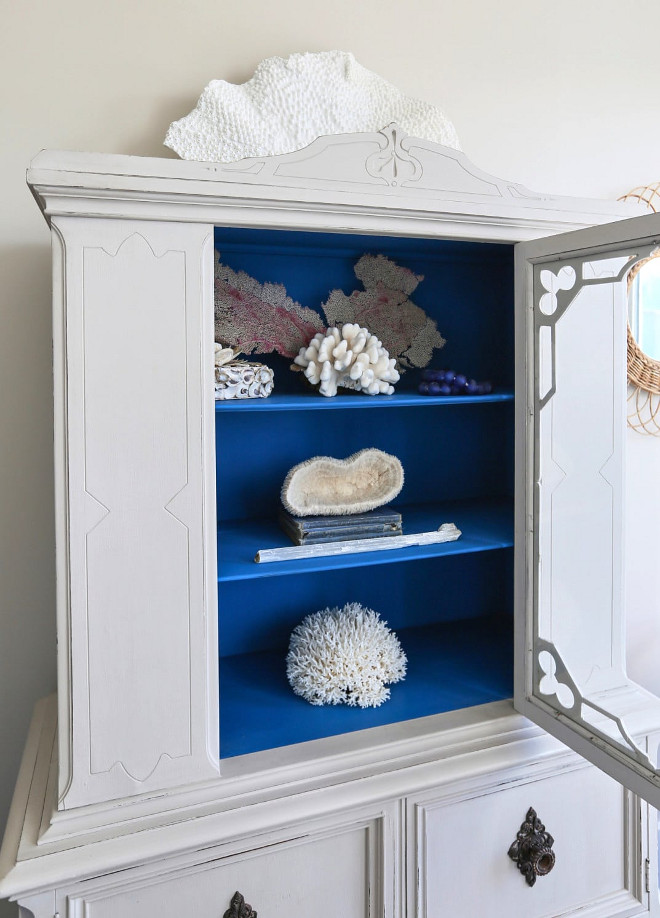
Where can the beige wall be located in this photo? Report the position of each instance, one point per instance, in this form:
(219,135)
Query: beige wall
(560,96)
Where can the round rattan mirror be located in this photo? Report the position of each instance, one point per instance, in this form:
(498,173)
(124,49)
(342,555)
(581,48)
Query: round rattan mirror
(644,330)
(644,324)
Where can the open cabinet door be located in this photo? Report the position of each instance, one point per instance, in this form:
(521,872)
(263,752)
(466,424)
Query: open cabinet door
(571,391)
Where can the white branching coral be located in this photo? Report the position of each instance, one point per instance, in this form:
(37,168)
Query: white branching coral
(350,357)
(344,656)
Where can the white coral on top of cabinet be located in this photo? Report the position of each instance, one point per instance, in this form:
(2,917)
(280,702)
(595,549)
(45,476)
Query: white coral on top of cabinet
(289,102)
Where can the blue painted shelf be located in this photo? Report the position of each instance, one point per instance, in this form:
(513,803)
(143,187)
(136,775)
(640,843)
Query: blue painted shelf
(485,525)
(311,401)
(450,665)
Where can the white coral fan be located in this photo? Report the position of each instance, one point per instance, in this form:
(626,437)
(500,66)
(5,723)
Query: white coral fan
(344,656)
(350,357)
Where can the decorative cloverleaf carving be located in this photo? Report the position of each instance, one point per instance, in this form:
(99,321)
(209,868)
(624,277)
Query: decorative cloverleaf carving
(564,279)
(549,684)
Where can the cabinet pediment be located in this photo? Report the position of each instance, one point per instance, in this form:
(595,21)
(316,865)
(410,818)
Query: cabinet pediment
(387,158)
(343,177)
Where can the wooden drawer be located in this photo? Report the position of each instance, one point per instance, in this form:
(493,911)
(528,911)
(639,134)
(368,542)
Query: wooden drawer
(458,850)
(338,873)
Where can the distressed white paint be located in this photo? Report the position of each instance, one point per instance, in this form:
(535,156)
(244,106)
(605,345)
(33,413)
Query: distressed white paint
(482,754)
(119,825)
(572,453)
(438,849)
(337,871)
(138,504)
(341,183)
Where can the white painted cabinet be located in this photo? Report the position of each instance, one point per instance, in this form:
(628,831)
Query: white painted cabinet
(336,872)
(143,790)
(571,654)
(136,497)
(461,833)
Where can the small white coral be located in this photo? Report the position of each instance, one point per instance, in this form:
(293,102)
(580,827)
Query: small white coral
(350,357)
(344,656)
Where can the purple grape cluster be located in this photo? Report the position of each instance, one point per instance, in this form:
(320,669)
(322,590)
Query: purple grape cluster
(446,382)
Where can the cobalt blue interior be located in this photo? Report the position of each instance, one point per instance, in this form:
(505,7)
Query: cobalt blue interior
(451,604)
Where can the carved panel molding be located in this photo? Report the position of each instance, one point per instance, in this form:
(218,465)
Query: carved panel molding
(135,387)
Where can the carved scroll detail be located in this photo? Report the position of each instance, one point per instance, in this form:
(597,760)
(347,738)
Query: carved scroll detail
(394,164)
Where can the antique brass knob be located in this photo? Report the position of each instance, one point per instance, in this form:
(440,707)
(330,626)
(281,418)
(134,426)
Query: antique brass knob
(239,908)
(532,849)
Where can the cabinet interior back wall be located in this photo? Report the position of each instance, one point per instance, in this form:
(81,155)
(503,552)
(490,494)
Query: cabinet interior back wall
(450,604)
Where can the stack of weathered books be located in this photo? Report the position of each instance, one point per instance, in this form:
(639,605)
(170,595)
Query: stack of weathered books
(313,530)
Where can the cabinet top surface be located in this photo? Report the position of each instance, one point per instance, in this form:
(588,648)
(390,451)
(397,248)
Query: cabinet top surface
(341,182)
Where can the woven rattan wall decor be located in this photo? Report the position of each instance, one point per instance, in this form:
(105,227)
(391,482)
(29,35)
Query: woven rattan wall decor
(643,371)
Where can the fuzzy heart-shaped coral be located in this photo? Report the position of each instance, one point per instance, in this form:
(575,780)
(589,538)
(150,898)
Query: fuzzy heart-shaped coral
(323,486)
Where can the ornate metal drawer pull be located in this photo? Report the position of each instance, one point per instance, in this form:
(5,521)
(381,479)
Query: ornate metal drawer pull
(532,849)
(239,908)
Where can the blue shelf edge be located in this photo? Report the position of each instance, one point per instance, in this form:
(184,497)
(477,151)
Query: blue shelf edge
(485,525)
(450,666)
(314,402)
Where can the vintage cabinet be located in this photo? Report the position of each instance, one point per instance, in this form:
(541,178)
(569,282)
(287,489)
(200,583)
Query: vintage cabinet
(175,767)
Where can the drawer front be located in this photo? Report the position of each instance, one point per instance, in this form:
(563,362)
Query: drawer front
(338,874)
(459,849)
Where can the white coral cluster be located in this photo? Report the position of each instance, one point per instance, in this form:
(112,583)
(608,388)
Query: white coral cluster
(344,656)
(350,357)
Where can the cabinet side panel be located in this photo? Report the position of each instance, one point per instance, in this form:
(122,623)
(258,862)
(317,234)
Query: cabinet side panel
(138,502)
(61,473)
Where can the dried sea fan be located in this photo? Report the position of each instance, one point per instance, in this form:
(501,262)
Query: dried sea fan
(385,309)
(344,656)
(260,318)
